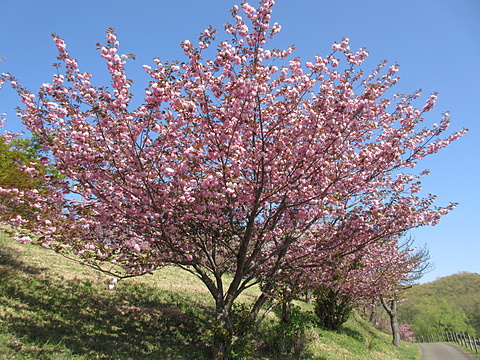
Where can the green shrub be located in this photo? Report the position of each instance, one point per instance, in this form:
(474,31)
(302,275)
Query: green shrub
(289,337)
(331,308)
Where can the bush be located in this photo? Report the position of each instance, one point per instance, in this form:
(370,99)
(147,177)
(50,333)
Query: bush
(289,337)
(331,308)
(242,325)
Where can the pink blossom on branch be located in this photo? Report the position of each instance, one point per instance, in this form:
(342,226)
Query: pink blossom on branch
(406,333)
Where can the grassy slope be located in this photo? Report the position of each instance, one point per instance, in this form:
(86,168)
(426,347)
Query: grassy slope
(52,308)
(470,352)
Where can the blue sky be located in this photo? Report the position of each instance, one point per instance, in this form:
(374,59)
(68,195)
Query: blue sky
(434,41)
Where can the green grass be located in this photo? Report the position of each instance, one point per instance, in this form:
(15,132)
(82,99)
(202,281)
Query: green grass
(358,340)
(53,308)
(468,351)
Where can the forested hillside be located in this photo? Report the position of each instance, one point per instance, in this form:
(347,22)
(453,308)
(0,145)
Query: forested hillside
(448,303)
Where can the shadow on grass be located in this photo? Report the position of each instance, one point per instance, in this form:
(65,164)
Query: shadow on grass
(83,319)
(354,334)
(9,257)
(368,329)
(366,335)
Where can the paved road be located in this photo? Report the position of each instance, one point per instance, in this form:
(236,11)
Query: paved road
(441,351)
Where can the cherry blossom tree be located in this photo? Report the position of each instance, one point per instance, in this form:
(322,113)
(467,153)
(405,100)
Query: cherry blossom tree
(235,163)
(416,262)
(359,264)
(343,280)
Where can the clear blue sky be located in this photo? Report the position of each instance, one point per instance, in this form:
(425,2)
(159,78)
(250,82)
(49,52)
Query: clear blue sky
(436,42)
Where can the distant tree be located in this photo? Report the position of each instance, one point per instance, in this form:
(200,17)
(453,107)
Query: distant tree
(406,333)
(436,315)
(231,166)
(462,290)
(416,264)
(354,277)
(20,163)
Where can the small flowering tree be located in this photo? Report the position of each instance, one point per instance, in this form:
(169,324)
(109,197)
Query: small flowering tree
(406,333)
(381,270)
(231,165)
(416,262)
(362,262)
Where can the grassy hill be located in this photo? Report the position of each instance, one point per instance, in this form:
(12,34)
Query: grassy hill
(52,308)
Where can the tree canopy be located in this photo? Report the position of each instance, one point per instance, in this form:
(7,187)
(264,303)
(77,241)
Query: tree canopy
(460,292)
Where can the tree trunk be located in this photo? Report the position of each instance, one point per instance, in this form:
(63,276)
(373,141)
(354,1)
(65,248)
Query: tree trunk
(392,312)
(221,350)
(308,296)
(286,309)
(222,335)
(373,316)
